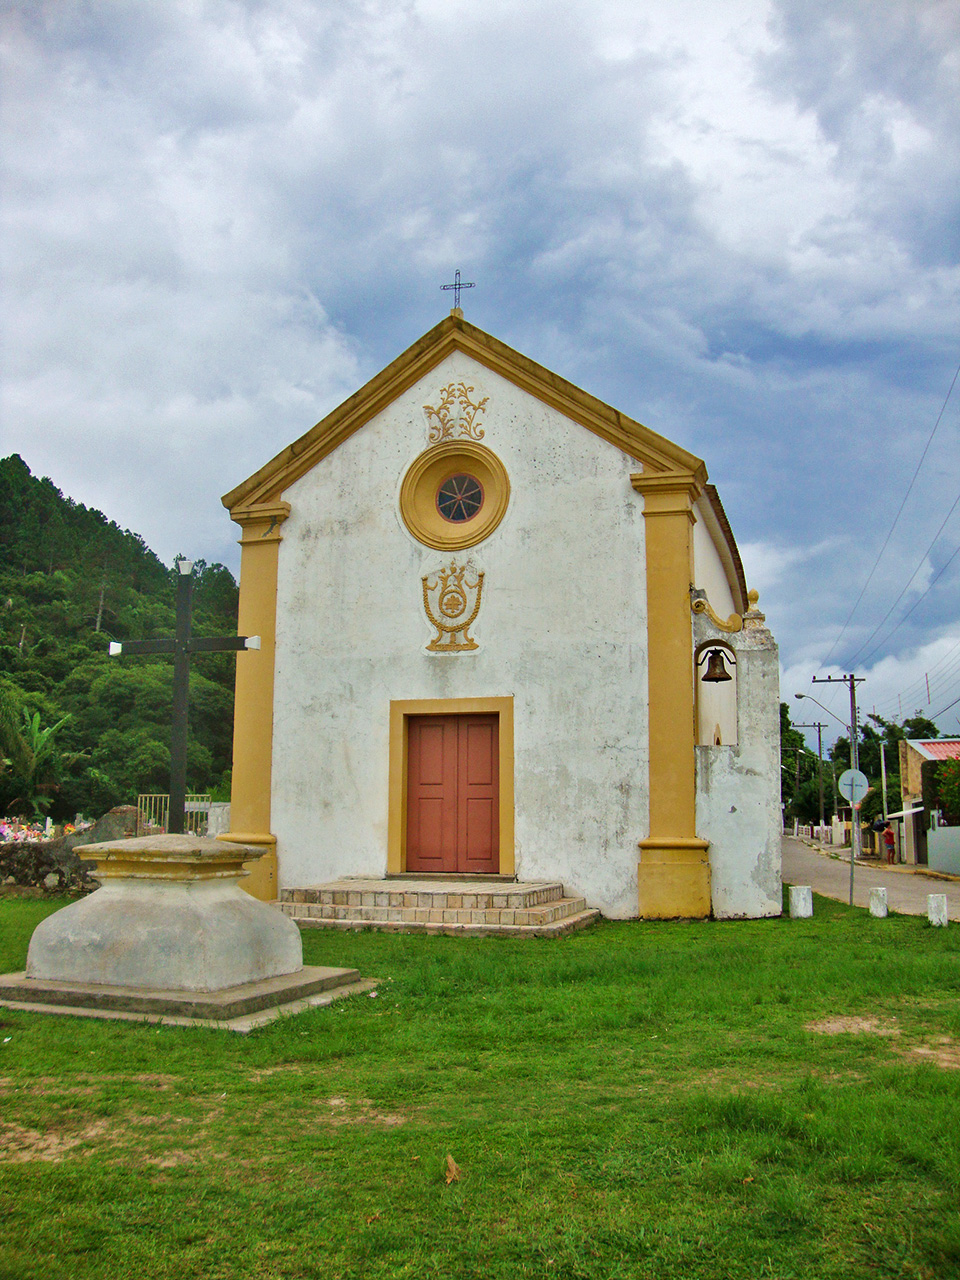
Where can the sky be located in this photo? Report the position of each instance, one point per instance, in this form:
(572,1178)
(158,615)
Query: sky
(737,222)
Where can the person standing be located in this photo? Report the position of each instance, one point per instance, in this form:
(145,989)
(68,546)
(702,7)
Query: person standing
(889,842)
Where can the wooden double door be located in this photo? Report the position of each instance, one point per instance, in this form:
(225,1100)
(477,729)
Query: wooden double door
(453,800)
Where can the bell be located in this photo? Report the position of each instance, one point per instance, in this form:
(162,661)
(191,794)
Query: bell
(716,671)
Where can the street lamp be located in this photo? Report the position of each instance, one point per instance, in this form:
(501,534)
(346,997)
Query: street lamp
(828,711)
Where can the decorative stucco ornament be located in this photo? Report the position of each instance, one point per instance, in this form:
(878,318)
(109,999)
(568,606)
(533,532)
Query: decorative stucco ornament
(457,601)
(700,604)
(455,416)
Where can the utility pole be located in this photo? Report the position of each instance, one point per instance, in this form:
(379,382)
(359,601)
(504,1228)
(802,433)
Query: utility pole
(851,681)
(819,728)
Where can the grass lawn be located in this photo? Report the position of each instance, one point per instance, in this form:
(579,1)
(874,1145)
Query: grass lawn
(639,1100)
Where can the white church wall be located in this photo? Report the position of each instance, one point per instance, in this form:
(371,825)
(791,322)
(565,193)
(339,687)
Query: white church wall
(708,571)
(738,802)
(561,629)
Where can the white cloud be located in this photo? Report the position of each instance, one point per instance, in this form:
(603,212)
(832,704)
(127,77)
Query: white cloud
(736,222)
(923,681)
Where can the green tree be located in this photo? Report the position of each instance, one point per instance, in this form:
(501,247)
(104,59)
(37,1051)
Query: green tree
(948,783)
(918,726)
(799,780)
(70,581)
(40,766)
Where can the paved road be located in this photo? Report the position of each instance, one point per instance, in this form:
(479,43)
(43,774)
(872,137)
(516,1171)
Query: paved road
(906,891)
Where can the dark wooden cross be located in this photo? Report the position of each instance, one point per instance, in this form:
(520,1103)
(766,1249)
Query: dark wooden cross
(182,646)
(457,286)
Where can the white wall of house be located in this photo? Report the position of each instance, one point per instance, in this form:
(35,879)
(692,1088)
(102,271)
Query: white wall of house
(943,850)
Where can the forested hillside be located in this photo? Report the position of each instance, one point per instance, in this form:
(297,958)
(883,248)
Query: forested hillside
(80,731)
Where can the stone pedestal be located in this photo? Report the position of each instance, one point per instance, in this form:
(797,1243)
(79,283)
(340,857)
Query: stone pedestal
(801,902)
(937,910)
(169,933)
(169,914)
(878,903)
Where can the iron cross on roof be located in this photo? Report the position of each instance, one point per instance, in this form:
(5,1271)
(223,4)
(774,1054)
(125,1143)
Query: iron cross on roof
(456,287)
(182,646)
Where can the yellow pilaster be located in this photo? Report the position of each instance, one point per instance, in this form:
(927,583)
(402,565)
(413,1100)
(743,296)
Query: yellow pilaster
(253,711)
(673,871)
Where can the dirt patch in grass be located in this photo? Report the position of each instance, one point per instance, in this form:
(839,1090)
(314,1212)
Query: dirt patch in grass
(171,1159)
(19,1145)
(852,1026)
(286,1068)
(340,1112)
(943,1052)
(84,1084)
(730,1078)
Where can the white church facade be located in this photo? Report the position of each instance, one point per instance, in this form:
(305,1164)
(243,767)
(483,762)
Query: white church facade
(487,602)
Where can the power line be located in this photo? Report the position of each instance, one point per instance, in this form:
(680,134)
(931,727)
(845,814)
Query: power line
(896,520)
(907,587)
(917,688)
(940,688)
(936,715)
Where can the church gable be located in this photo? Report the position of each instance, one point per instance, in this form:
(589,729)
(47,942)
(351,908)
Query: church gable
(656,454)
(466,473)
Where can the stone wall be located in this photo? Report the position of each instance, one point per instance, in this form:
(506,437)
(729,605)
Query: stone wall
(53,866)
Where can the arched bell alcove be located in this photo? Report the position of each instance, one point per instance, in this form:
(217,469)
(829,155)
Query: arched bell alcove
(715,683)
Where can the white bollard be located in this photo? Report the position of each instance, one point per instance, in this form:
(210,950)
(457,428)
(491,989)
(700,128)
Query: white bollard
(937,909)
(801,901)
(878,903)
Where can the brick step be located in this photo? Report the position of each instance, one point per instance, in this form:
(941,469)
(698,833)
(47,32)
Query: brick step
(568,924)
(537,916)
(417,894)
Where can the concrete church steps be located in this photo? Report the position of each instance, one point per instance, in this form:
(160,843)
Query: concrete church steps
(465,907)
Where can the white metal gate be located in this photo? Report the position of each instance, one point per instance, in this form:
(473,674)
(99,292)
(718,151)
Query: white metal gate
(153,814)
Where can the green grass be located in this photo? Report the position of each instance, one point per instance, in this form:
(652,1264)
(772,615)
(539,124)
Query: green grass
(640,1100)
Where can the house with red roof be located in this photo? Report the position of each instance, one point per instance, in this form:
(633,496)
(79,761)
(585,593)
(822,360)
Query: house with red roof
(926,841)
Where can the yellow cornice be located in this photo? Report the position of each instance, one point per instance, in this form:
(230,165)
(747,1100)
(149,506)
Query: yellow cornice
(657,454)
(670,492)
(274,511)
(271,514)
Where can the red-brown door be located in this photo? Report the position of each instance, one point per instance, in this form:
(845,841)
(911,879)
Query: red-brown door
(453,809)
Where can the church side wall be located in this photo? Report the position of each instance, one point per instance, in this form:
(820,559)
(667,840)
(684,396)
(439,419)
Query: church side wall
(709,573)
(561,629)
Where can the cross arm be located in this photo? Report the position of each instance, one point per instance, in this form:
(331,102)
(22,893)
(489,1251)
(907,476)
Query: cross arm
(197,644)
(209,644)
(141,646)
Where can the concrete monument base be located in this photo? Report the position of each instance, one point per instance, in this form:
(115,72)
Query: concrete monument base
(169,935)
(235,1008)
(170,914)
